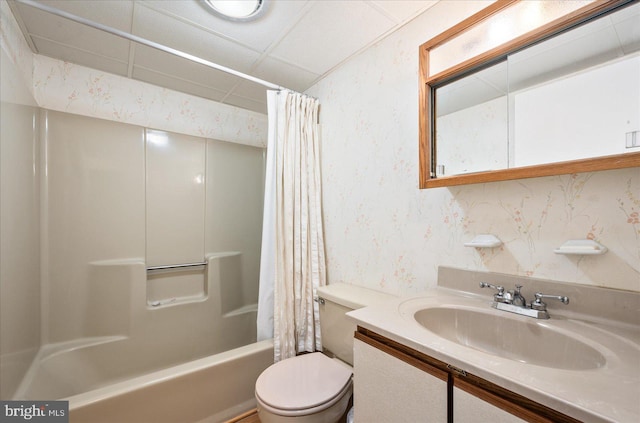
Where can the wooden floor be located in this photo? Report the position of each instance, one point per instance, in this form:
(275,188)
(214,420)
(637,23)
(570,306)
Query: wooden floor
(250,416)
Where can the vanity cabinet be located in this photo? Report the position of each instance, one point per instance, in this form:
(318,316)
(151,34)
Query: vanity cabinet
(468,408)
(395,383)
(387,389)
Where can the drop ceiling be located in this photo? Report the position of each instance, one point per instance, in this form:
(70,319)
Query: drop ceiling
(295,43)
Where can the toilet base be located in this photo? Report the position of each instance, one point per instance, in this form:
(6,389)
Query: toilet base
(337,413)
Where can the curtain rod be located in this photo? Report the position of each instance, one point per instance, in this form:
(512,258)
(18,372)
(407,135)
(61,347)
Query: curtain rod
(148,43)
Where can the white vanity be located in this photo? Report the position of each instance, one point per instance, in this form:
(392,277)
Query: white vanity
(448,356)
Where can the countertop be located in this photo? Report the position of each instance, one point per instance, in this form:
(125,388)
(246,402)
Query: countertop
(609,393)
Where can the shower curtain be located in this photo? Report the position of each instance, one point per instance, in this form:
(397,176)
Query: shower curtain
(293,260)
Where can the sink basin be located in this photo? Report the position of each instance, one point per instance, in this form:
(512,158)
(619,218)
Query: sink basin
(528,341)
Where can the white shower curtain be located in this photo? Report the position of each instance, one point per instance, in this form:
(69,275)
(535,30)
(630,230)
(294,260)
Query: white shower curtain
(293,260)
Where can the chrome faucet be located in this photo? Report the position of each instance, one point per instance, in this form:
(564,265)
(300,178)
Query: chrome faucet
(517,298)
(514,302)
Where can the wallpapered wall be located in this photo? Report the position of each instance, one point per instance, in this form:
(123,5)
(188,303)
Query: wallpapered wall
(385,233)
(381,230)
(76,89)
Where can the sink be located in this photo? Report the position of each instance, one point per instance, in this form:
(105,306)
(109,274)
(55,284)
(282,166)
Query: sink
(521,339)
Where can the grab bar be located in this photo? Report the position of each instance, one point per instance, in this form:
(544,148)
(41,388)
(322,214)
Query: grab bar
(176,266)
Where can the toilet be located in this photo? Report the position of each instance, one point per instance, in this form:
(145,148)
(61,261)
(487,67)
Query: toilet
(317,387)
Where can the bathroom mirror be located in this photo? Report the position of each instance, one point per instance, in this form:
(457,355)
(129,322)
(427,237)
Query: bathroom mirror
(561,98)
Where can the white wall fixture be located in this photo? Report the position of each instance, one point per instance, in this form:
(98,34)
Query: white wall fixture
(581,246)
(484,241)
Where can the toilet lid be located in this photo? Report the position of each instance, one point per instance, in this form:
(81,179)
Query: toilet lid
(302,382)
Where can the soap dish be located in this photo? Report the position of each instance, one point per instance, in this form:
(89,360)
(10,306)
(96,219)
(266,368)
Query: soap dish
(484,241)
(581,246)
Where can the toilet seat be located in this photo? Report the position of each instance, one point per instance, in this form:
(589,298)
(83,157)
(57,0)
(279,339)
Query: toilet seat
(302,385)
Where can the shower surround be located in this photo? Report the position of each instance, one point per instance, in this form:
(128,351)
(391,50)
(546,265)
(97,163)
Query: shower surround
(117,199)
(82,318)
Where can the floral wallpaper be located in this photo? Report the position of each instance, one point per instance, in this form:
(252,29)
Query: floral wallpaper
(76,89)
(14,44)
(385,233)
(484,126)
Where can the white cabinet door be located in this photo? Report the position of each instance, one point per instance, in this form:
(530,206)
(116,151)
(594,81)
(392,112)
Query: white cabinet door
(389,390)
(468,408)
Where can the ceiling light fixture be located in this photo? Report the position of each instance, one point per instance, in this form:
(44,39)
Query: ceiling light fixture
(236,10)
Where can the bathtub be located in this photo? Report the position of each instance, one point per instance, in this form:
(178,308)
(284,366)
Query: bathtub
(191,358)
(209,390)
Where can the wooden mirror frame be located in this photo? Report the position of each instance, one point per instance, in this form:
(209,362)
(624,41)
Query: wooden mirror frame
(427,151)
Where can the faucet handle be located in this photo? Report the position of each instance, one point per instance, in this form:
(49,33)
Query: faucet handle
(539,305)
(499,297)
(499,288)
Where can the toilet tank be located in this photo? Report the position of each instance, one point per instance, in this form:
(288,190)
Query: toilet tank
(336,300)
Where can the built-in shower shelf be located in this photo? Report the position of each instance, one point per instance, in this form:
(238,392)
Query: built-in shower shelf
(168,302)
(176,267)
(176,284)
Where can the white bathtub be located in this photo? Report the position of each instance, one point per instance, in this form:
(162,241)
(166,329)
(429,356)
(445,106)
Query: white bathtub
(192,359)
(208,390)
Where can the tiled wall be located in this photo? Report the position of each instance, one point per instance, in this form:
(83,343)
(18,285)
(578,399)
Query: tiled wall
(385,233)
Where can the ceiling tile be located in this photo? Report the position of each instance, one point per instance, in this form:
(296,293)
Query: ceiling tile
(116,14)
(561,56)
(80,57)
(160,79)
(177,67)
(247,103)
(285,74)
(251,90)
(331,32)
(475,89)
(63,31)
(258,34)
(160,28)
(627,25)
(402,10)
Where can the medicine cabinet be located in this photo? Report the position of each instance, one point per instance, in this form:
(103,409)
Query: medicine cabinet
(531,88)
